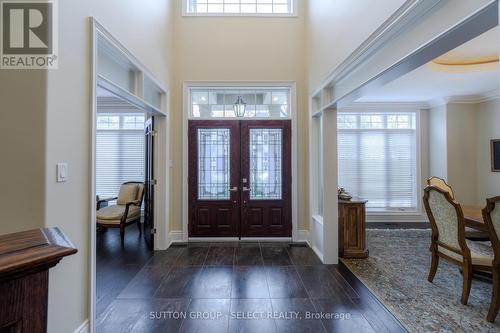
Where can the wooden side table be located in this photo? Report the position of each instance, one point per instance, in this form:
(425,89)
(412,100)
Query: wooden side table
(352,224)
(25,259)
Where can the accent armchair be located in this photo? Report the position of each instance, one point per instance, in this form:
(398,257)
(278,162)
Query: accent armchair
(126,211)
(491,215)
(448,238)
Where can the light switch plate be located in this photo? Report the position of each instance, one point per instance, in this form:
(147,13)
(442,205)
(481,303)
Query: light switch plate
(62,172)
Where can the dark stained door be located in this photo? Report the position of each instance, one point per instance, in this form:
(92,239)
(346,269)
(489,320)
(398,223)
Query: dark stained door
(149,183)
(239,178)
(266,178)
(214,168)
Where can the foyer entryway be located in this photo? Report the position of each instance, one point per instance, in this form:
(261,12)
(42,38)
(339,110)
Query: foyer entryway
(240,178)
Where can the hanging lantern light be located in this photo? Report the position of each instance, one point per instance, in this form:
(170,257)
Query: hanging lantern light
(240,107)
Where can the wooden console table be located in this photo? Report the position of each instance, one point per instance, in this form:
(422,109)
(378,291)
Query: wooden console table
(25,259)
(352,220)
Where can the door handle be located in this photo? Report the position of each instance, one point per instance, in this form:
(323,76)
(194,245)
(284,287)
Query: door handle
(246,189)
(234,189)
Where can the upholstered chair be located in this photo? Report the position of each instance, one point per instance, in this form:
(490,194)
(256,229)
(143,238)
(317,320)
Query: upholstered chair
(442,184)
(470,234)
(126,211)
(491,215)
(448,238)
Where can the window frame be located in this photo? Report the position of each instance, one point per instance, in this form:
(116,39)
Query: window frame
(418,154)
(186,13)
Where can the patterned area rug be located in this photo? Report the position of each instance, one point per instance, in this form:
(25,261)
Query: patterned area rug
(396,272)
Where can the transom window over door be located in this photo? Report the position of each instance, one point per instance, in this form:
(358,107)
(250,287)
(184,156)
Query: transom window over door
(240,7)
(377,158)
(260,103)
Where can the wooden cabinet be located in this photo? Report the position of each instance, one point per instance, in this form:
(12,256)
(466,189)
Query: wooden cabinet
(352,220)
(25,258)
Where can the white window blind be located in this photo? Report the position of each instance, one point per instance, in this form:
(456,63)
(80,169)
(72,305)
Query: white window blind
(377,158)
(119,151)
(239,7)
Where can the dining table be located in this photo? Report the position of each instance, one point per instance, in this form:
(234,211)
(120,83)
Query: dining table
(473,217)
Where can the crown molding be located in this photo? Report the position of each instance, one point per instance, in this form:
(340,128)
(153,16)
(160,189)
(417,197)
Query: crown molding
(465,99)
(406,15)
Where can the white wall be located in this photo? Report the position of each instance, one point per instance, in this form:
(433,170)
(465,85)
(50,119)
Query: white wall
(488,125)
(145,28)
(239,49)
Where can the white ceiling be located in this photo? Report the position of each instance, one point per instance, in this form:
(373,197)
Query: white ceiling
(433,82)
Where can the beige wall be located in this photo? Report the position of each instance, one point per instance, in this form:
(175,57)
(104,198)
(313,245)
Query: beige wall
(143,27)
(488,124)
(22,147)
(459,144)
(337,28)
(438,152)
(238,49)
(462,151)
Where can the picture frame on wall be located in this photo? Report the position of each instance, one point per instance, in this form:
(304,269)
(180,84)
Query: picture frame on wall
(495,155)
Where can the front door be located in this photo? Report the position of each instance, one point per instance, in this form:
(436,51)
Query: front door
(240,178)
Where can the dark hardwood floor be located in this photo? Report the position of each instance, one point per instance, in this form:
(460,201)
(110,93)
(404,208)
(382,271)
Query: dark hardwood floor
(229,287)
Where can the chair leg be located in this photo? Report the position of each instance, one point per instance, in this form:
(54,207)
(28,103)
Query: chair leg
(495,297)
(139,226)
(467,281)
(434,267)
(122,233)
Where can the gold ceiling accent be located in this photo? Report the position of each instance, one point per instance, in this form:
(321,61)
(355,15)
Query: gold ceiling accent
(469,62)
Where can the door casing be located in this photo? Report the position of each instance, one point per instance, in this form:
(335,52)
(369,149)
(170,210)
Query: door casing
(184,235)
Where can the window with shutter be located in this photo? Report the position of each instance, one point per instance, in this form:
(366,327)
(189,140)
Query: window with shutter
(377,158)
(119,151)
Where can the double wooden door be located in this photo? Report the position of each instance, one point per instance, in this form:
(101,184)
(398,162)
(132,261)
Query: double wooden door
(240,178)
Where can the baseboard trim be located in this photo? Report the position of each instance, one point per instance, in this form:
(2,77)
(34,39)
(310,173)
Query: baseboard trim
(84,327)
(174,237)
(213,239)
(303,236)
(318,252)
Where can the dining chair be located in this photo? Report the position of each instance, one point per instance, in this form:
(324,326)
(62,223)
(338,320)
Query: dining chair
(470,233)
(491,215)
(442,184)
(448,238)
(126,211)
